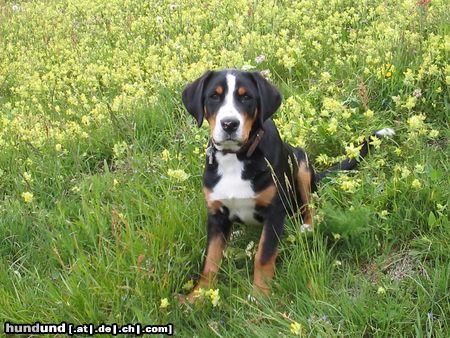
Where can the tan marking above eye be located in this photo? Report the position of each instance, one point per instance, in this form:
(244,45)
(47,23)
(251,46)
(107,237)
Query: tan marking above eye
(219,90)
(242,91)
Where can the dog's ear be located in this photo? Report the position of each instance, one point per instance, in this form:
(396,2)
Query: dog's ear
(193,97)
(269,96)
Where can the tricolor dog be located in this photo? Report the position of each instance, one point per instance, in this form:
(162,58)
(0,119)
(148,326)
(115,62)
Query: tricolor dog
(251,176)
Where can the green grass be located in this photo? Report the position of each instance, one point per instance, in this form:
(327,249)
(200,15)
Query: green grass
(90,101)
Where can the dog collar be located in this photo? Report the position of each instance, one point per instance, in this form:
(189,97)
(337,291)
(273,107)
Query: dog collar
(249,147)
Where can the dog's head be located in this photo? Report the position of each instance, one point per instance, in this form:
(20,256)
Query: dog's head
(233,102)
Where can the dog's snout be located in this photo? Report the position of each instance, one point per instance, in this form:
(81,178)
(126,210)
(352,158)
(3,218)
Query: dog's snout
(230,125)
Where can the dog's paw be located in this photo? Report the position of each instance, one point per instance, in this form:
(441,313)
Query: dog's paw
(251,298)
(306,227)
(186,299)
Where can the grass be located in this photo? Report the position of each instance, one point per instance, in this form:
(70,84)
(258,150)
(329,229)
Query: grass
(91,121)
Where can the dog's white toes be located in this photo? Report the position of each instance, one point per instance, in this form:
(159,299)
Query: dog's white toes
(251,299)
(306,227)
(385,132)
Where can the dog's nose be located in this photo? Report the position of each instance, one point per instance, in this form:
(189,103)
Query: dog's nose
(230,125)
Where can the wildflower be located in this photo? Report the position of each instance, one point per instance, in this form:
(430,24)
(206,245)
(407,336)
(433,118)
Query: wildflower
(58,147)
(165,155)
(419,168)
(291,239)
(213,296)
(248,249)
(325,77)
(410,102)
(305,227)
(381,290)
(368,113)
(405,172)
(375,141)
(337,263)
(384,213)
(119,149)
(115,182)
(26,176)
(347,114)
(332,126)
(349,186)
(178,174)
(85,120)
(27,197)
(247,67)
(296,328)
(417,93)
(416,184)
(352,151)
(164,303)
(260,58)
(433,133)
(336,236)
(188,285)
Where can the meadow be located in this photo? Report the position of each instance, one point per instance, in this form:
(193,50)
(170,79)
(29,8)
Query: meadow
(102,218)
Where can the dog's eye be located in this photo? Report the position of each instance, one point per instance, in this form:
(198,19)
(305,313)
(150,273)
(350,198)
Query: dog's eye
(245,98)
(215,97)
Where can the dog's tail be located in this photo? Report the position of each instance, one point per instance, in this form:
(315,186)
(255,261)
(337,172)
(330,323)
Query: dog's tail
(351,163)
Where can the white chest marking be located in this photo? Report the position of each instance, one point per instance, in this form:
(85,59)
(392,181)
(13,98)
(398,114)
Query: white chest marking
(232,191)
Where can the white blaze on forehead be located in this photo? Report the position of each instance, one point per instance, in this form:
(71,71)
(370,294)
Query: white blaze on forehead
(228,110)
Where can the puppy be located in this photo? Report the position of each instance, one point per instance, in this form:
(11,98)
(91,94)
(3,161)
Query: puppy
(251,176)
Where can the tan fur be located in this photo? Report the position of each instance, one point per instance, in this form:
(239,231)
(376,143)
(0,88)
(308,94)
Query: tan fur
(264,197)
(263,273)
(213,206)
(304,188)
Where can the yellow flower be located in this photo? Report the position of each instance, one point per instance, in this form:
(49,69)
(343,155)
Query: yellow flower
(352,151)
(375,141)
(164,303)
(419,168)
(405,172)
(433,133)
(27,197)
(188,285)
(296,328)
(381,290)
(349,186)
(85,120)
(416,184)
(410,102)
(58,147)
(368,113)
(178,174)
(27,176)
(214,296)
(333,125)
(165,154)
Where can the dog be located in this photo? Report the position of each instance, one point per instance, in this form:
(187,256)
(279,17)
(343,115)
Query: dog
(251,176)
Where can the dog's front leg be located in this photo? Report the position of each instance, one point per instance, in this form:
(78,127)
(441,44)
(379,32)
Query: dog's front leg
(267,252)
(219,227)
